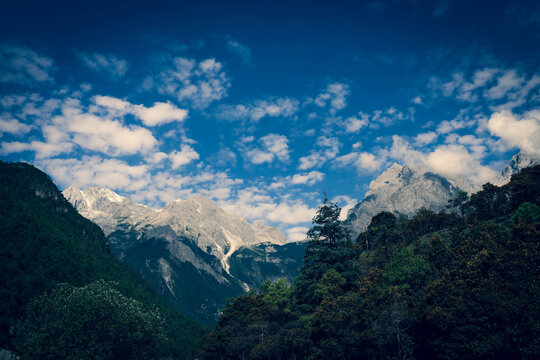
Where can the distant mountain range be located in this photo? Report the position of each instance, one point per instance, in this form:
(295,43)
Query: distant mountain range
(191,251)
(196,255)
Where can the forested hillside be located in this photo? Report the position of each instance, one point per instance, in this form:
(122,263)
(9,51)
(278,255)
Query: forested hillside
(464,284)
(45,242)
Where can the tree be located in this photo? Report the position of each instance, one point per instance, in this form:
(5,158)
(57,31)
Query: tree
(327,226)
(527,213)
(95,321)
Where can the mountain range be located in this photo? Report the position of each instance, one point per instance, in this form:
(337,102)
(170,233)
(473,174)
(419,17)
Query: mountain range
(192,252)
(196,255)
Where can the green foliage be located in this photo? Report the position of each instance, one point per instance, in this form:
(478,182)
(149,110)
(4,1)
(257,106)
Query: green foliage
(327,226)
(527,213)
(406,270)
(91,322)
(436,286)
(46,242)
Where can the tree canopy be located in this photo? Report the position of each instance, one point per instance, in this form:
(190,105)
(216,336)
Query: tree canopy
(91,322)
(459,285)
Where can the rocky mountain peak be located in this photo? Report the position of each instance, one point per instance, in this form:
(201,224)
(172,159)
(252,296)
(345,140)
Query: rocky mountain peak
(517,163)
(403,189)
(211,228)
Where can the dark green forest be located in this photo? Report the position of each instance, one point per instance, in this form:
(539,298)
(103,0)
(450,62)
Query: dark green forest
(460,284)
(56,266)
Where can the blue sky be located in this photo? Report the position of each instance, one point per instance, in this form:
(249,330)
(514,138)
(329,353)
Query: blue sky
(264,105)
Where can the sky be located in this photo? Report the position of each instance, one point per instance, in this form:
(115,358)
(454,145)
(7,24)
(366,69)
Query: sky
(264,106)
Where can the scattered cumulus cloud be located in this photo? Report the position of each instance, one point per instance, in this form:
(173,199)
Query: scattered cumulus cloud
(21,65)
(77,125)
(309,178)
(363,161)
(335,96)
(272,147)
(13,126)
(158,114)
(278,107)
(504,89)
(425,138)
(326,148)
(418,100)
(353,123)
(197,82)
(518,131)
(183,157)
(95,170)
(107,64)
(508,81)
(460,156)
(297,233)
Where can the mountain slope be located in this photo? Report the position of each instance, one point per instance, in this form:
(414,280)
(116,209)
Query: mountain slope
(403,190)
(185,250)
(517,163)
(45,242)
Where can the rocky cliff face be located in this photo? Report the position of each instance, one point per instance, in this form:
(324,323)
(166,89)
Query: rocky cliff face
(212,229)
(517,163)
(403,190)
(185,249)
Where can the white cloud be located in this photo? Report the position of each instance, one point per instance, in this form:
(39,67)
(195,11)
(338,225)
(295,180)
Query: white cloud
(12,126)
(200,83)
(363,161)
(480,79)
(508,81)
(418,100)
(334,95)
(158,114)
(309,178)
(183,157)
(22,65)
(388,117)
(42,149)
(92,132)
(239,49)
(518,131)
(346,203)
(297,233)
(353,123)
(94,170)
(291,213)
(105,63)
(425,138)
(274,146)
(326,148)
(462,156)
(225,157)
(284,107)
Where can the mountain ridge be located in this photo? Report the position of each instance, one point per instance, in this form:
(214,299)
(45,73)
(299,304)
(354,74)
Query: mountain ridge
(403,189)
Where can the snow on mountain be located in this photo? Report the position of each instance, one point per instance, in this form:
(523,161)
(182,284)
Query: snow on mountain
(405,189)
(517,163)
(213,230)
(106,208)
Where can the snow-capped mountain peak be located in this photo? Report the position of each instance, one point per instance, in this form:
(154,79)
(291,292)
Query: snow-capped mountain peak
(517,163)
(404,189)
(214,230)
